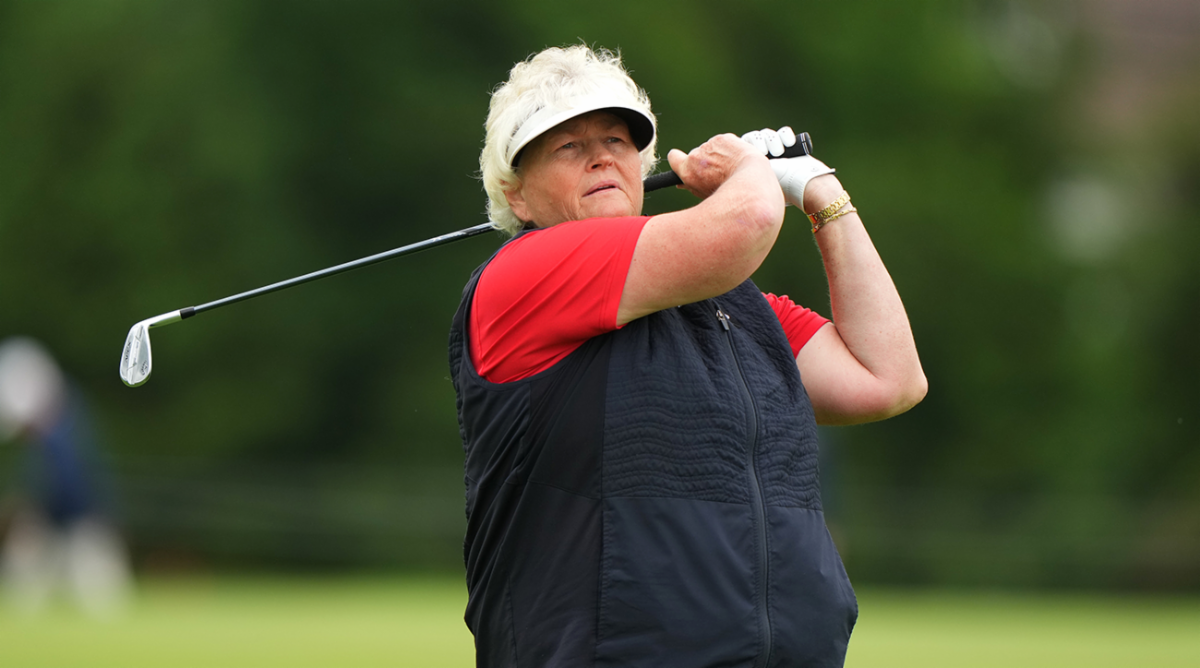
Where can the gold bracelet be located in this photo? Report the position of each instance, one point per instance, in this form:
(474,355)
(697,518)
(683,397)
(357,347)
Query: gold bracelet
(818,225)
(831,212)
(833,207)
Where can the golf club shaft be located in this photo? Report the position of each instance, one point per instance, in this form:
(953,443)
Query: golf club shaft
(338,269)
(803,146)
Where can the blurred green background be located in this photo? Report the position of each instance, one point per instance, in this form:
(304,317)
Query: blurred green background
(1028,170)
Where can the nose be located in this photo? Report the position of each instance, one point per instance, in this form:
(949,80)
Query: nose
(601,156)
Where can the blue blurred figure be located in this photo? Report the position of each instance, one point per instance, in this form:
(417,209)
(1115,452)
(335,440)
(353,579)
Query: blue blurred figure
(60,538)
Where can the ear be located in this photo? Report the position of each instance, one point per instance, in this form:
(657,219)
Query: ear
(516,202)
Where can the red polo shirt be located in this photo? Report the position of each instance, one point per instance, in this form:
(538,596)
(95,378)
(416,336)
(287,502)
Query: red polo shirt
(549,291)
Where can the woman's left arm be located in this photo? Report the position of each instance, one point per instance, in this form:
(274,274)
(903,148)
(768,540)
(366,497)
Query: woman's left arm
(863,366)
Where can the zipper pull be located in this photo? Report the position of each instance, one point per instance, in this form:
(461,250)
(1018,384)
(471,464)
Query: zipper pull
(723,318)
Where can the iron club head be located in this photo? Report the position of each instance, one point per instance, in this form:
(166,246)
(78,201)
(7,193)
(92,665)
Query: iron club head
(136,362)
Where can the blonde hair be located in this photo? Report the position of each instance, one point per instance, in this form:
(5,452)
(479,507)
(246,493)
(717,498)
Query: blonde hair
(544,79)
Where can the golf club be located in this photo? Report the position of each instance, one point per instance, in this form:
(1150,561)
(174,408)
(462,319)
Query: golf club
(136,362)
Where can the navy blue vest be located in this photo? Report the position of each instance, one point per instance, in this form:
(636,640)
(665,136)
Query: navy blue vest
(651,500)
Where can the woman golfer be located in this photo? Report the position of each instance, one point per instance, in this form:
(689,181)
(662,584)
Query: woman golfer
(639,420)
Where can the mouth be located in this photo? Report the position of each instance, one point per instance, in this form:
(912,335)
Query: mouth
(601,187)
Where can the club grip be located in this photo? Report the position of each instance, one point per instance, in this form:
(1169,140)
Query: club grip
(803,146)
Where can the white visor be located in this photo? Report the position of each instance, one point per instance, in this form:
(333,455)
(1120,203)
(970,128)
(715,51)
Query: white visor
(639,120)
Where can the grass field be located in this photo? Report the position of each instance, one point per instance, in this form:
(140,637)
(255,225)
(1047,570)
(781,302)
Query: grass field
(417,621)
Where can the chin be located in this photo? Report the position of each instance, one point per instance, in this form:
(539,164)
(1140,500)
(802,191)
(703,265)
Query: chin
(612,211)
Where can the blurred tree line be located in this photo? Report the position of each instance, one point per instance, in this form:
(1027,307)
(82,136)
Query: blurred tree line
(160,154)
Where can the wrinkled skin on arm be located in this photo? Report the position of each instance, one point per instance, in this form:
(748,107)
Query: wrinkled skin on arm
(690,255)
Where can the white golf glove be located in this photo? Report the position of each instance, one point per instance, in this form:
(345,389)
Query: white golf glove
(793,173)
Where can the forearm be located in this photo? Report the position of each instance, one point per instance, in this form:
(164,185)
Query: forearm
(686,256)
(866,307)
(747,211)
(741,198)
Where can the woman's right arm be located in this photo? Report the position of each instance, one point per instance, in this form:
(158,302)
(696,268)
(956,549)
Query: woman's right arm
(711,248)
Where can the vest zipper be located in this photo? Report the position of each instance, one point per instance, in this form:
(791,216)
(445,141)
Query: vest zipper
(756,497)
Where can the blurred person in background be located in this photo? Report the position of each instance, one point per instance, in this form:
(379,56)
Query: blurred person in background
(639,420)
(60,538)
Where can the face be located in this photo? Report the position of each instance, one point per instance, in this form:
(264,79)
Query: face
(586,167)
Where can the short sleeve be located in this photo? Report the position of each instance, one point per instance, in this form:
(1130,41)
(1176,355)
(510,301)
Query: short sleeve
(547,292)
(799,323)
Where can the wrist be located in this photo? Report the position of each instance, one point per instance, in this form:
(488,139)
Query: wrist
(836,209)
(821,192)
